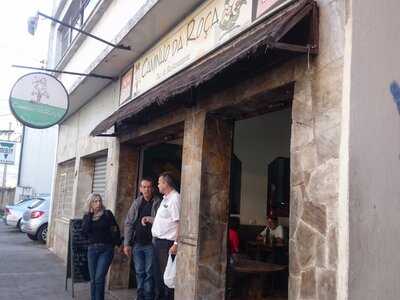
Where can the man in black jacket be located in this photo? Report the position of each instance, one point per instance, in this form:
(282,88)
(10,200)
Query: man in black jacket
(138,238)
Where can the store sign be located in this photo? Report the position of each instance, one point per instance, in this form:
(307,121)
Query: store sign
(211,25)
(125,92)
(7,152)
(39,100)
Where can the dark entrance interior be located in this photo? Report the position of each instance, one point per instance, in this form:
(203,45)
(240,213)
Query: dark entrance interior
(162,158)
(156,159)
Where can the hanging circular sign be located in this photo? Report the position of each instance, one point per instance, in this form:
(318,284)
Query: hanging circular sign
(39,100)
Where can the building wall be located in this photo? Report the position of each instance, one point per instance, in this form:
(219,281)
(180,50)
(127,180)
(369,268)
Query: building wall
(314,151)
(373,151)
(257,142)
(315,163)
(74,132)
(75,144)
(38,158)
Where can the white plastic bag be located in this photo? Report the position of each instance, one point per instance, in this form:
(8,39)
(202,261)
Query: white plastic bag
(170,273)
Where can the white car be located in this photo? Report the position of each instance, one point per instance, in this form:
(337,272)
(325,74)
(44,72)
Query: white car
(13,213)
(35,220)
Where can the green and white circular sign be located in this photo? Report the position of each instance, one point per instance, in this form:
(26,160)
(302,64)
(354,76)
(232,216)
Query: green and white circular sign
(39,100)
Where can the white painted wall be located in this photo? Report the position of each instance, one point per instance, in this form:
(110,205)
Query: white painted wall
(374,151)
(257,142)
(38,156)
(108,27)
(74,139)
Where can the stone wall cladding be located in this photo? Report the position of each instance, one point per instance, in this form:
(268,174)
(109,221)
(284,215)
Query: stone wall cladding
(190,205)
(315,164)
(314,193)
(315,140)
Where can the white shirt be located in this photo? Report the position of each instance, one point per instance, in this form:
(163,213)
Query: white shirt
(165,223)
(273,233)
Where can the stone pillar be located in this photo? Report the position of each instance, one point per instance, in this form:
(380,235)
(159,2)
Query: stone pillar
(214,209)
(128,167)
(201,266)
(314,185)
(190,205)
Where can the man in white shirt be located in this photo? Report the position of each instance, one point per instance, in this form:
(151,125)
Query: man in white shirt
(274,231)
(276,239)
(165,229)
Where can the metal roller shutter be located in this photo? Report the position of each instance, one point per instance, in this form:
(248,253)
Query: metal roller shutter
(99,176)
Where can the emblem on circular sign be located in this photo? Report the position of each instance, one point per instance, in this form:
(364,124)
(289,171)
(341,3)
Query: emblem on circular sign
(39,100)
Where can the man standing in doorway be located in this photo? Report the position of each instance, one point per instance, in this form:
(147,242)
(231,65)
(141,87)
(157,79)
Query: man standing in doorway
(166,228)
(137,235)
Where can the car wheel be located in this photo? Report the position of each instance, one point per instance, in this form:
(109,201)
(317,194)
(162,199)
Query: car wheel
(19,225)
(42,234)
(32,237)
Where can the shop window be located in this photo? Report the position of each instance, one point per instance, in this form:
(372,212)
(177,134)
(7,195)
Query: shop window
(64,189)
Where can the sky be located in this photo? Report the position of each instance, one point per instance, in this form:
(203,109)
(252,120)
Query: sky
(18,47)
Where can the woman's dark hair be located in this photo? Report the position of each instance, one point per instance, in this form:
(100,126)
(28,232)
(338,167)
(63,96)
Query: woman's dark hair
(169,179)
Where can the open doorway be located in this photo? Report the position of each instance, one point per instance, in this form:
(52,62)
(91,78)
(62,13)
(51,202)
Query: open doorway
(166,157)
(259,207)
(155,160)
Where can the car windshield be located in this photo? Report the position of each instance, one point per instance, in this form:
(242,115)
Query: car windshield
(36,203)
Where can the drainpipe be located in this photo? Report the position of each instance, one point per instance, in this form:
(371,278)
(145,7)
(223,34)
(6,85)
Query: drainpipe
(21,155)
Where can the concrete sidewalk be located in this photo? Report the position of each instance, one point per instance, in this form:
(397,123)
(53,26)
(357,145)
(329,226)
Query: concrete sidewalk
(28,270)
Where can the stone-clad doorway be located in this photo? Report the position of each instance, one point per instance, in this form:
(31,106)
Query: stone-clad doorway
(147,156)
(206,169)
(207,151)
(206,161)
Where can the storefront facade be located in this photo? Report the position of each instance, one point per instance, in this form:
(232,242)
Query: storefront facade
(291,60)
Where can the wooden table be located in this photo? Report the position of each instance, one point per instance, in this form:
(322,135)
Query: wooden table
(259,248)
(257,270)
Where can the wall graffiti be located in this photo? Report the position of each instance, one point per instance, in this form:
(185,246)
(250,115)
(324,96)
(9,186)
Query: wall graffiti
(395,90)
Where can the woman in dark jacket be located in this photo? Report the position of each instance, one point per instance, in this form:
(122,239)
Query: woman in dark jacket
(103,233)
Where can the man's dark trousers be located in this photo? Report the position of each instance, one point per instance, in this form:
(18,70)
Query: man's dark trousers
(143,258)
(161,249)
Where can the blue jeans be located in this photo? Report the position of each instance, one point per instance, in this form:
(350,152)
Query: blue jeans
(99,260)
(143,260)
